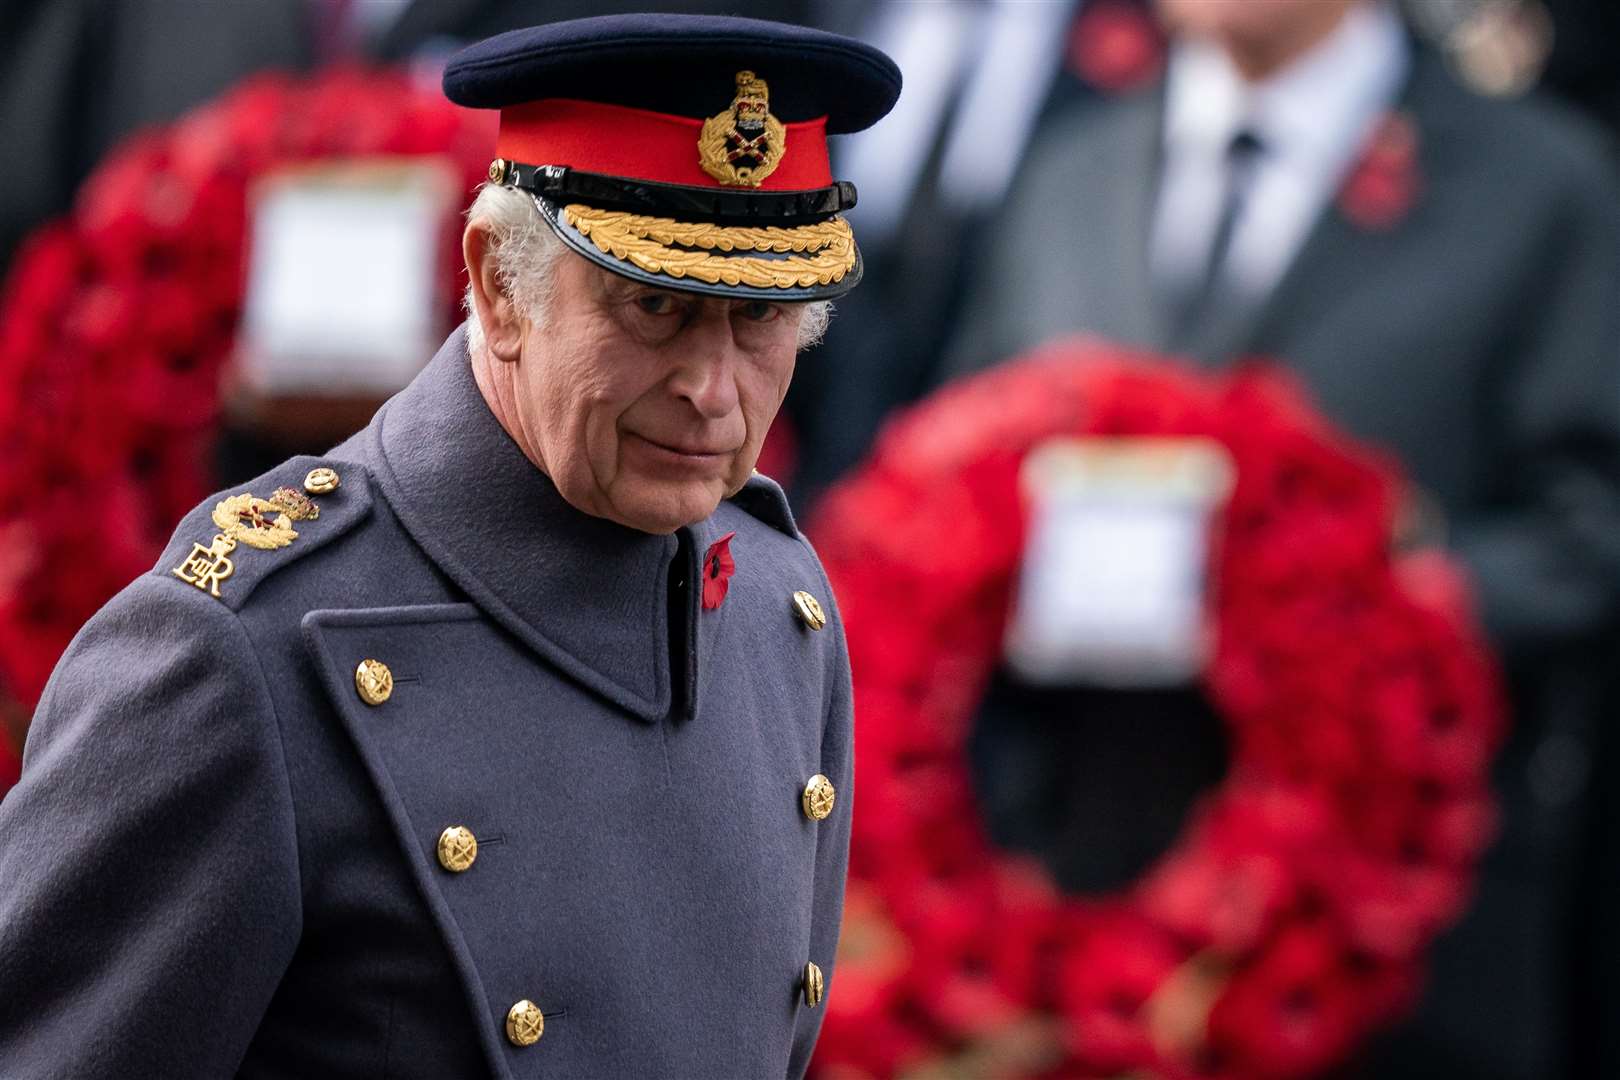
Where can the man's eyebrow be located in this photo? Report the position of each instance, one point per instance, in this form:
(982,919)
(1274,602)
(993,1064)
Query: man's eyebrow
(616,287)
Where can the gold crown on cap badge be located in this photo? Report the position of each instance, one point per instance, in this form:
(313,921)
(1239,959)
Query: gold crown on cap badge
(743,145)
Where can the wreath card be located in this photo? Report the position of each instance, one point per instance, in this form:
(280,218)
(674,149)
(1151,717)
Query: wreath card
(1114,586)
(344,283)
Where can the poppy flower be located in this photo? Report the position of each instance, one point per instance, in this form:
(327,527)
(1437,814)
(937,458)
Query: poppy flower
(1384,182)
(718,566)
(1115,46)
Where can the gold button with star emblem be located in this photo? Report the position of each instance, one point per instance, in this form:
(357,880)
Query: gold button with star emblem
(458,847)
(818,797)
(373,681)
(815,987)
(808,608)
(321,481)
(524,1023)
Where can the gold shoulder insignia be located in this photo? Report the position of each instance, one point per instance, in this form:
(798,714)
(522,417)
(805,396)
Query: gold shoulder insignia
(265,524)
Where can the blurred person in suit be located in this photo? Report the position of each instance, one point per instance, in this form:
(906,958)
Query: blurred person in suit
(1309,183)
(986,71)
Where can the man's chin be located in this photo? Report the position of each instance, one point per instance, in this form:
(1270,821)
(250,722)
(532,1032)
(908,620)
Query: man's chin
(656,508)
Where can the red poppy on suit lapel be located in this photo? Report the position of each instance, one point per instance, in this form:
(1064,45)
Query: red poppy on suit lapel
(1384,182)
(718,566)
(1116,46)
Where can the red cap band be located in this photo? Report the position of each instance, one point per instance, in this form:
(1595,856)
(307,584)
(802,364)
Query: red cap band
(642,145)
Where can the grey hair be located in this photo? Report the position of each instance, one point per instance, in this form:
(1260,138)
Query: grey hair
(525,251)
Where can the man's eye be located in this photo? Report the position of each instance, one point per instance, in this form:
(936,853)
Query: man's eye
(657,303)
(759,310)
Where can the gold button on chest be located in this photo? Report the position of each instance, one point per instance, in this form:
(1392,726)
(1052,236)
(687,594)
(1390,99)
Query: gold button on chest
(808,608)
(373,681)
(524,1023)
(818,797)
(321,481)
(458,848)
(815,987)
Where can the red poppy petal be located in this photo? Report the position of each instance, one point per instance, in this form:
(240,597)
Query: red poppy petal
(718,566)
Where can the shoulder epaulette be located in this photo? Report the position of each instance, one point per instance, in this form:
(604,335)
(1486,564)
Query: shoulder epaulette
(764,498)
(242,535)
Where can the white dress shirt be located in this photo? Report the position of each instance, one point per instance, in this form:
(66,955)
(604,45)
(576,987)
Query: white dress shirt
(1312,118)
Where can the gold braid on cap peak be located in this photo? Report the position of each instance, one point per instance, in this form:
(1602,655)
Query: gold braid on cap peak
(822,253)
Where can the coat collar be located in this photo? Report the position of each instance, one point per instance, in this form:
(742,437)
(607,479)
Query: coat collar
(589,596)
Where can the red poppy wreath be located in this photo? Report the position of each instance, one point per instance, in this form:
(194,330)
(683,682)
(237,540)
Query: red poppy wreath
(117,320)
(1291,916)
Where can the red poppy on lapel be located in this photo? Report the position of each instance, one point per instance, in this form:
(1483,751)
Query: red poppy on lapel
(1115,46)
(718,566)
(1384,182)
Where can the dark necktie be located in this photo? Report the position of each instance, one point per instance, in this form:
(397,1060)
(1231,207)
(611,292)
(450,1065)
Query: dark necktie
(1200,304)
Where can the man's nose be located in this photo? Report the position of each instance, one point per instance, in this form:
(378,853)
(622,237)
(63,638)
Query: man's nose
(706,371)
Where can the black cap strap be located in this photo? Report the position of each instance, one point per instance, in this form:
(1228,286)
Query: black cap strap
(560,184)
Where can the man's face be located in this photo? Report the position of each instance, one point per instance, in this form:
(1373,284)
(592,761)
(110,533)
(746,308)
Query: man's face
(648,406)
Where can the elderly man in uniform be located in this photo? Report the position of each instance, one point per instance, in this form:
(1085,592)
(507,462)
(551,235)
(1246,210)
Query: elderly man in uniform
(512,737)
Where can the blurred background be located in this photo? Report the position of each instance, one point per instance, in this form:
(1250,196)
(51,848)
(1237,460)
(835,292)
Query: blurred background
(227,234)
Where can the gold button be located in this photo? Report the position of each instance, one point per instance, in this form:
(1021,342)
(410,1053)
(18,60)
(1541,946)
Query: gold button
(818,797)
(497,171)
(458,847)
(808,608)
(524,1023)
(815,987)
(321,481)
(374,682)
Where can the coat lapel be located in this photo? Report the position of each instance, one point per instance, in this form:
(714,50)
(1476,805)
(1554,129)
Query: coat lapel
(589,596)
(1317,275)
(1335,250)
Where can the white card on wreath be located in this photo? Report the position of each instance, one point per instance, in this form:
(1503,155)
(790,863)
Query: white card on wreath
(1115,580)
(343,293)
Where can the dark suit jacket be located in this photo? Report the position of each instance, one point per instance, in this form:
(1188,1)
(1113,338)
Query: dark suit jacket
(1479,340)
(220,860)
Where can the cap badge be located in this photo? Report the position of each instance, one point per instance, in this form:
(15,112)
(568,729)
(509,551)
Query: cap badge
(743,145)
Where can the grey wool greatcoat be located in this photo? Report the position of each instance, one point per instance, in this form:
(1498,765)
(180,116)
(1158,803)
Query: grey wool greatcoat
(222,861)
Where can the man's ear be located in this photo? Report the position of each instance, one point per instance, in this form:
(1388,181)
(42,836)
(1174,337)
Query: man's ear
(503,326)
